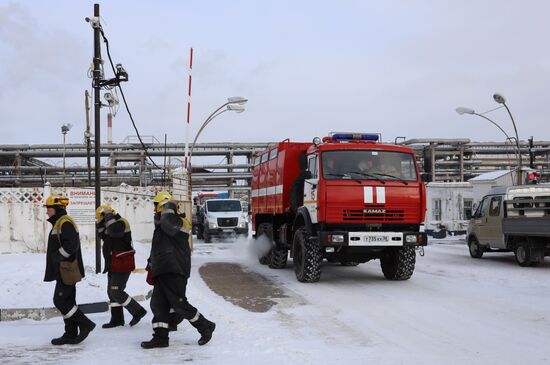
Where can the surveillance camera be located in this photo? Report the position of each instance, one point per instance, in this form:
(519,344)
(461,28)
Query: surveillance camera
(110,99)
(94,21)
(121,72)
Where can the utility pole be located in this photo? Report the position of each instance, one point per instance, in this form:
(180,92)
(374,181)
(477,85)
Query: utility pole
(97,76)
(531,154)
(88,136)
(164,169)
(64,150)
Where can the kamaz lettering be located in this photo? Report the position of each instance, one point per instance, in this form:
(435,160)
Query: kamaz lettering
(374,211)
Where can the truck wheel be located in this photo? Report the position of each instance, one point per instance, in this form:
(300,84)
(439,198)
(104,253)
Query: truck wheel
(476,251)
(523,255)
(278,258)
(398,263)
(200,232)
(267,229)
(307,258)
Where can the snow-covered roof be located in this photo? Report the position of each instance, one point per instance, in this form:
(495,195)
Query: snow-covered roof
(488,176)
(450,184)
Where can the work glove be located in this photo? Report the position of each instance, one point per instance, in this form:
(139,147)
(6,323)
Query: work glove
(108,215)
(100,227)
(149,278)
(171,205)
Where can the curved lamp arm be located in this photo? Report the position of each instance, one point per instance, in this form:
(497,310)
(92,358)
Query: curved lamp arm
(206,122)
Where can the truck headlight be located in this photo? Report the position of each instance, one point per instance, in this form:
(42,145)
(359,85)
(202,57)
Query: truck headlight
(242,225)
(411,239)
(335,238)
(212,225)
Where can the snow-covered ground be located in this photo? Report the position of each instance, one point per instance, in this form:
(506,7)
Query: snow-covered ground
(25,288)
(454,310)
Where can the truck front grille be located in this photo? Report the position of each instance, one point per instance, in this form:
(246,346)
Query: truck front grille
(358,215)
(228,222)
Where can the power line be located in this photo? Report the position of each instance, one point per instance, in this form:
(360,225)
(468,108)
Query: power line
(124,100)
(492,110)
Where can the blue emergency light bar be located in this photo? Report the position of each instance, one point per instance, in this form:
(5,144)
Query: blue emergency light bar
(339,136)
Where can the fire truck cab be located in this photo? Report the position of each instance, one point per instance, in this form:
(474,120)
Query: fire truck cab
(345,198)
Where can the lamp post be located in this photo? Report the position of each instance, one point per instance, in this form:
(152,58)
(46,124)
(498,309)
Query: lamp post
(233,104)
(502,100)
(462,110)
(64,129)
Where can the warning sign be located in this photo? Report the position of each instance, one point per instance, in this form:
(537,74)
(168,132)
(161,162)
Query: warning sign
(82,206)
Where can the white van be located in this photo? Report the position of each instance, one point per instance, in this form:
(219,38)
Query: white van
(222,217)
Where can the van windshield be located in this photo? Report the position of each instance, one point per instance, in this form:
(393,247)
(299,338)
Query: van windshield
(224,205)
(368,165)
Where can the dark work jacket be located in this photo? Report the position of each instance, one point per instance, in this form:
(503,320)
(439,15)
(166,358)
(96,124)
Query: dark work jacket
(116,235)
(170,252)
(56,251)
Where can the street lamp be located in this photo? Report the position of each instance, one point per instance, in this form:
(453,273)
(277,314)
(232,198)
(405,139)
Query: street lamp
(64,129)
(463,110)
(501,100)
(234,103)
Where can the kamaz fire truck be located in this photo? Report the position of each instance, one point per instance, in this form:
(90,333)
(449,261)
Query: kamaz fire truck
(346,198)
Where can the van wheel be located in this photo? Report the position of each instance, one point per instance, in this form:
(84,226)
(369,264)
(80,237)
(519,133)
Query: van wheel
(265,229)
(476,251)
(523,255)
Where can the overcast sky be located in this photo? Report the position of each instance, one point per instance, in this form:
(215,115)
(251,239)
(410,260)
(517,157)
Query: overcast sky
(399,68)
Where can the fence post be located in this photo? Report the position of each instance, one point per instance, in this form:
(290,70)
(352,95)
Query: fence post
(45,194)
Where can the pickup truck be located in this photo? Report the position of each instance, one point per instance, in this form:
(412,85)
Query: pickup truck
(512,219)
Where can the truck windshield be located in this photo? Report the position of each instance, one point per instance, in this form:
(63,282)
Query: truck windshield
(224,205)
(368,165)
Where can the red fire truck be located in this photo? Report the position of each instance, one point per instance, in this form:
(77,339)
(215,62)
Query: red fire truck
(346,198)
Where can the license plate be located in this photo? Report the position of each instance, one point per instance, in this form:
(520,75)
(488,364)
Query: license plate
(370,239)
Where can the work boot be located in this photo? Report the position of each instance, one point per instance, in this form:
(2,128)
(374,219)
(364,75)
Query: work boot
(71,331)
(85,325)
(205,328)
(137,311)
(160,339)
(117,318)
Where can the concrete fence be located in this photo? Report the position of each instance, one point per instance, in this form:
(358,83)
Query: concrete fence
(23,221)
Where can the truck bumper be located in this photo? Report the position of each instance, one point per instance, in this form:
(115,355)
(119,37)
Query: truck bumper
(371,239)
(226,231)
